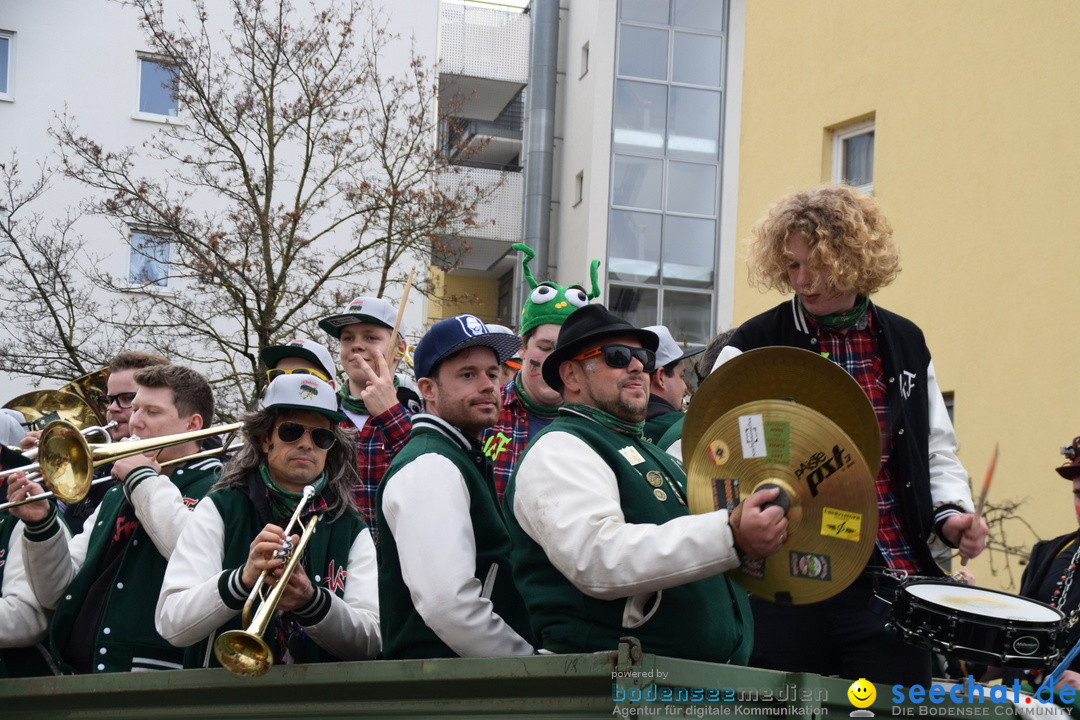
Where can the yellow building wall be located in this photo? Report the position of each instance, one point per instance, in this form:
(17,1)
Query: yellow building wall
(977,163)
(457,294)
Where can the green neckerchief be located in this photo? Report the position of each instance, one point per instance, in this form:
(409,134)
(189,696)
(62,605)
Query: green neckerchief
(843,320)
(354,404)
(530,405)
(607,420)
(282,502)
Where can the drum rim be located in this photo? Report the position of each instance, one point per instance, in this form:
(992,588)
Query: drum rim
(904,589)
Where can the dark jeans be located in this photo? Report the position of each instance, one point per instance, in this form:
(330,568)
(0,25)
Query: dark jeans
(840,636)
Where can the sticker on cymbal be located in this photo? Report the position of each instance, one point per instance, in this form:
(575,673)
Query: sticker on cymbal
(719,452)
(841,524)
(810,566)
(752,436)
(777,442)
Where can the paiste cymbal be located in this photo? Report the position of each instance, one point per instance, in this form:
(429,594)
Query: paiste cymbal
(832,519)
(774,373)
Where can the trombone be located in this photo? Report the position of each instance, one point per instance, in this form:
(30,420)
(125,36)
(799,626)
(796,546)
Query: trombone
(244,652)
(66,460)
(32,453)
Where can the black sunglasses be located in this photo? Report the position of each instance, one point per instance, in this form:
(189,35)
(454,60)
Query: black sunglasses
(123,400)
(619,356)
(290,432)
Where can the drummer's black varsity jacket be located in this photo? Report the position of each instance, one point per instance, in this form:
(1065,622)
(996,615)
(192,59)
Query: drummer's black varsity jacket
(905,360)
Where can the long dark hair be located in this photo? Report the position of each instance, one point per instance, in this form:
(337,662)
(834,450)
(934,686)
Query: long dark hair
(340,469)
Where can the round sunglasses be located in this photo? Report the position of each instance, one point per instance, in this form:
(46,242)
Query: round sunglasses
(290,432)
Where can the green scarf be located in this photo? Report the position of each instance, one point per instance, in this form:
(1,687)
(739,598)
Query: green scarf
(355,404)
(530,405)
(842,320)
(607,420)
(283,502)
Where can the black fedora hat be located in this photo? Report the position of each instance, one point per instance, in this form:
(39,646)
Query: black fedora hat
(586,326)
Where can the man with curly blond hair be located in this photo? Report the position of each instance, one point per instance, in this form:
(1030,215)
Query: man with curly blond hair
(833,247)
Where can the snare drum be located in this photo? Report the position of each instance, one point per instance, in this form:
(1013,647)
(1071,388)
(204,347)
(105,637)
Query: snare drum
(979,624)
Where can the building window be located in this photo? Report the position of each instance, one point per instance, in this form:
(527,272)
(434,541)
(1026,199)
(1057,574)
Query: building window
(664,206)
(156,95)
(584,60)
(149,262)
(853,156)
(7,43)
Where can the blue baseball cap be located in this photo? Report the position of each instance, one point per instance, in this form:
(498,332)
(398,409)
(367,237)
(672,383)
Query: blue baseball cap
(452,335)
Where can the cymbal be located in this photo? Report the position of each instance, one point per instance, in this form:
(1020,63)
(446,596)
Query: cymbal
(832,519)
(787,373)
(40,407)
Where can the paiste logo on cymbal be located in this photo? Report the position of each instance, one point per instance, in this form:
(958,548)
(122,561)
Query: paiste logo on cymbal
(819,467)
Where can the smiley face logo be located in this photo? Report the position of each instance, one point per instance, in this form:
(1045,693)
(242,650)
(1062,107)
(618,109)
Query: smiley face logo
(862,693)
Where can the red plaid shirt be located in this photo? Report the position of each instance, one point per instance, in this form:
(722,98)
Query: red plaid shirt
(376,445)
(505,442)
(859,353)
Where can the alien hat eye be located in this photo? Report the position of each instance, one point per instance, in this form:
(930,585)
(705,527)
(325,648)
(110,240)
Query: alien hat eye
(543,294)
(576,296)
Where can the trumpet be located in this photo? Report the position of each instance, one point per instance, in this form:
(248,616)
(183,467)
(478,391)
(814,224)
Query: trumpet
(244,652)
(96,481)
(67,461)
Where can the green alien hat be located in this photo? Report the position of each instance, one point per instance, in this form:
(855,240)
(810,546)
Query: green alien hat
(550,302)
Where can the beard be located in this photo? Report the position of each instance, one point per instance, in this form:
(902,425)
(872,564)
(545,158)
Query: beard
(625,409)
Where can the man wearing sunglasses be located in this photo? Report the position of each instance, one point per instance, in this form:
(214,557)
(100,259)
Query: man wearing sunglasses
(377,402)
(330,609)
(603,542)
(104,584)
(299,357)
(445,584)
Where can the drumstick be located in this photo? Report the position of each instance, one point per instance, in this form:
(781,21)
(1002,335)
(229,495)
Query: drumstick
(982,495)
(397,323)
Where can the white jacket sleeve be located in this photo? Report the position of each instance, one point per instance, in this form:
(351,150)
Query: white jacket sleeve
(350,630)
(51,564)
(25,622)
(190,607)
(567,499)
(161,510)
(426,506)
(948,478)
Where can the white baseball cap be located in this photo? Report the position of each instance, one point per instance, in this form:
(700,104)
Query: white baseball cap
(302,392)
(668,351)
(361,310)
(307,349)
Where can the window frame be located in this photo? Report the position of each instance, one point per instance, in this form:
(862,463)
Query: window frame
(138,114)
(134,254)
(840,136)
(9,94)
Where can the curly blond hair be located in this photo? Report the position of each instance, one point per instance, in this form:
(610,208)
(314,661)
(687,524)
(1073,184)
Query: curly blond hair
(849,238)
